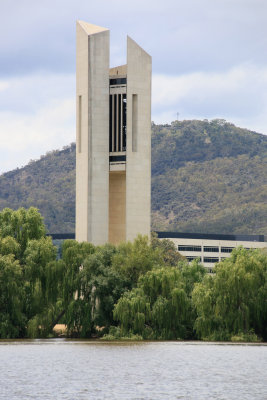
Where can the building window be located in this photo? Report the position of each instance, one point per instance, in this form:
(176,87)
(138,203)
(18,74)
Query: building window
(117,122)
(189,248)
(211,259)
(227,249)
(124,105)
(211,249)
(117,81)
(110,122)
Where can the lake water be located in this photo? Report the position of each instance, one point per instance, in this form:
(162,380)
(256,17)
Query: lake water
(69,369)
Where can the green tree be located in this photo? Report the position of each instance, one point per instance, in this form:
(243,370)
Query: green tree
(38,256)
(233,301)
(55,287)
(103,284)
(99,286)
(23,225)
(159,308)
(9,245)
(136,258)
(12,319)
(192,273)
(168,250)
(37,273)
(73,256)
(77,313)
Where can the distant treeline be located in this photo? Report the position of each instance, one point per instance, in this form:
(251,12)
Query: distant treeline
(137,290)
(207,176)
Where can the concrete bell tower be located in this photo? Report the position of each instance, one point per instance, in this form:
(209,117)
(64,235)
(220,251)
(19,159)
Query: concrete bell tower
(113,140)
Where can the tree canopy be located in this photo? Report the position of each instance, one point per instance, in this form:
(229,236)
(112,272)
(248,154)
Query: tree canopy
(161,305)
(142,289)
(233,301)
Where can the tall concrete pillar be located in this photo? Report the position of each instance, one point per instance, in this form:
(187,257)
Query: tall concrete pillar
(92,138)
(138,166)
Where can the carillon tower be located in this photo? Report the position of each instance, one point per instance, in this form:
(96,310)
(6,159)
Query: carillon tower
(113,140)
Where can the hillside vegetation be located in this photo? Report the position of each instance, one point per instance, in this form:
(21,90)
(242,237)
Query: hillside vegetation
(206,177)
(47,184)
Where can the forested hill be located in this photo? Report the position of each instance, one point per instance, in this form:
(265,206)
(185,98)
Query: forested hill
(206,177)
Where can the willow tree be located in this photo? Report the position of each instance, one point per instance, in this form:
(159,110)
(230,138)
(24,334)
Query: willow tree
(55,287)
(158,309)
(100,287)
(133,259)
(192,273)
(233,301)
(22,224)
(33,261)
(73,256)
(73,307)
(12,319)
(9,245)
(43,275)
(133,311)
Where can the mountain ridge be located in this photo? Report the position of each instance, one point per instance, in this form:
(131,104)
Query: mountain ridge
(207,177)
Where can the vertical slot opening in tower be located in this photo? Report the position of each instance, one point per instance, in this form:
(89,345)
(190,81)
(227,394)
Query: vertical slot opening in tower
(134,122)
(80,124)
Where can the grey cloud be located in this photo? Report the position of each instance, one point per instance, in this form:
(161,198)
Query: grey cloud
(236,95)
(27,94)
(195,46)
(183,36)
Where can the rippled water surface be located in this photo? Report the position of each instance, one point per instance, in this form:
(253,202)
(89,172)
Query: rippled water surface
(65,369)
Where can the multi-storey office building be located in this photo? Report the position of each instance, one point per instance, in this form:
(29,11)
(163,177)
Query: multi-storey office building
(211,248)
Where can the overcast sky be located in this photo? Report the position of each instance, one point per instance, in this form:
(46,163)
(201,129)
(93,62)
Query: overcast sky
(209,61)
